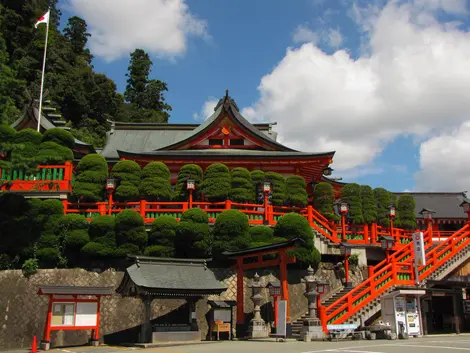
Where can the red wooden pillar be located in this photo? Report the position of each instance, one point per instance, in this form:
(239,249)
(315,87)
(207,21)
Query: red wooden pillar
(102,208)
(284,284)
(343,227)
(143,208)
(65,203)
(110,203)
(275,310)
(47,327)
(98,319)
(240,299)
(228,204)
(322,317)
(366,233)
(310,214)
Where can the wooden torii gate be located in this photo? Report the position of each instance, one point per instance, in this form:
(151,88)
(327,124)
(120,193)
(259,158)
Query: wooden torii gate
(255,256)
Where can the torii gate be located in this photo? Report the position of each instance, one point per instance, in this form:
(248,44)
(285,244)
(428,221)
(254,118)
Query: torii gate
(282,260)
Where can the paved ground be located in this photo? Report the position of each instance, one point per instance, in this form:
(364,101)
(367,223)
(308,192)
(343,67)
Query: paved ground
(436,344)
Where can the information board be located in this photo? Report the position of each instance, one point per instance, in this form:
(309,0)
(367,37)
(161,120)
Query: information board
(223,315)
(418,247)
(86,314)
(281,328)
(62,314)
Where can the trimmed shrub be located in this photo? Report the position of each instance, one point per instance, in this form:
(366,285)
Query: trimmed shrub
(103,237)
(323,200)
(261,234)
(406,217)
(278,188)
(7,136)
(216,183)
(59,136)
(192,234)
(188,171)
(296,188)
(242,189)
(162,237)
(128,173)
(257,178)
(231,232)
(72,234)
(28,136)
(351,194)
(130,229)
(90,182)
(49,258)
(25,149)
(156,184)
(51,153)
(383,200)
(369,209)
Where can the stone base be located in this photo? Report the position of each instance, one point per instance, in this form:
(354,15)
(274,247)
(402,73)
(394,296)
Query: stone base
(45,345)
(178,336)
(312,331)
(94,343)
(257,329)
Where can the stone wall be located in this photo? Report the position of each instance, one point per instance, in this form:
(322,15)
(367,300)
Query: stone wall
(23,312)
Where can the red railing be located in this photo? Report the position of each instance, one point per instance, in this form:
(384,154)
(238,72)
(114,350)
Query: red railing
(45,178)
(394,271)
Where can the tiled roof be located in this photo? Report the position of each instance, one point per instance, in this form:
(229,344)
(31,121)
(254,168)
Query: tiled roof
(71,290)
(445,204)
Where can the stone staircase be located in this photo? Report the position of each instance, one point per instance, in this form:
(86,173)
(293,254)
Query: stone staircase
(297,324)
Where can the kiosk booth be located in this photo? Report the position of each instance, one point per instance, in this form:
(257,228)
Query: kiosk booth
(401,308)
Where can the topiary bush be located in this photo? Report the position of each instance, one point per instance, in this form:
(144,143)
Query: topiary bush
(383,201)
(406,217)
(91,175)
(242,188)
(369,209)
(296,188)
(156,184)
(59,136)
(294,225)
(231,232)
(7,135)
(72,234)
(128,173)
(102,235)
(261,234)
(323,200)
(216,184)
(130,233)
(192,235)
(25,149)
(162,237)
(278,188)
(351,194)
(257,178)
(51,153)
(188,171)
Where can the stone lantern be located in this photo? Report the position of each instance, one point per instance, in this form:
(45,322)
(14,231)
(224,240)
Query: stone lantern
(257,328)
(312,328)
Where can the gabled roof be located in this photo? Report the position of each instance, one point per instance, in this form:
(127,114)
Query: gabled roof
(265,248)
(445,204)
(228,106)
(74,290)
(166,277)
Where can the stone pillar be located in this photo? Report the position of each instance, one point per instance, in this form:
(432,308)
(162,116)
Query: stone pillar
(257,328)
(146,328)
(312,328)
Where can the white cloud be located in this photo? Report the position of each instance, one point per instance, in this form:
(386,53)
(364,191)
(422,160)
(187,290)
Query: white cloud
(207,109)
(414,81)
(444,163)
(161,27)
(303,34)
(335,38)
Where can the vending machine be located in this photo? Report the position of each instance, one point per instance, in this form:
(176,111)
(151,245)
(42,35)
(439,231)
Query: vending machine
(402,310)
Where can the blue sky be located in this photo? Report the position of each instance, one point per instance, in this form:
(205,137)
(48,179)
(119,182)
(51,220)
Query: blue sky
(381,82)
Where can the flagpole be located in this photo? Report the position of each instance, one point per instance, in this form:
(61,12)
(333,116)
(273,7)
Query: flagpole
(42,74)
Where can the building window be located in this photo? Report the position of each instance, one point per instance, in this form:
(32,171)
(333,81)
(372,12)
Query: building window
(237,142)
(213,142)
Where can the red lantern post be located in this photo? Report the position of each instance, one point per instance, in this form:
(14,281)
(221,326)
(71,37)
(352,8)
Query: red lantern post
(190,186)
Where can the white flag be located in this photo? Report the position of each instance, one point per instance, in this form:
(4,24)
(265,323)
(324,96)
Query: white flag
(43,19)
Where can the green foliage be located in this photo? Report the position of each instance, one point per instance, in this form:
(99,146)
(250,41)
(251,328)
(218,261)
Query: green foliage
(30,267)
(51,153)
(188,171)
(242,189)
(25,147)
(261,234)
(156,184)
(406,217)
(296,188)
(216,183)
(369,209)
(383,200)
(354,260)
(90,182)
(323,200)
(103,237)
(257,178)
(192,234)
(59,136)
(231,232)
(128,173)
(351,194)
(130,229)
(162,237)
(278,188)
(294,225)
(49,257)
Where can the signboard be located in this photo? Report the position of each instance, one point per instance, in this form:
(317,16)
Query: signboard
(224,315)
(418,247)
(281,329)
(86,314)
(63,314)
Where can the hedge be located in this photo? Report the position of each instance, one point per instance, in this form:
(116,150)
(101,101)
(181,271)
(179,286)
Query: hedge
(156,185)
(192,235)
(278,188)
(231,232)
(130,232)
(406,217)
(162,237)
(383,199)
(90,181)
(369,208)
(188,171)
(102,235)
(242,188)
(128,174)
(351,194)
(296,188)
(216,183)
(324,199)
